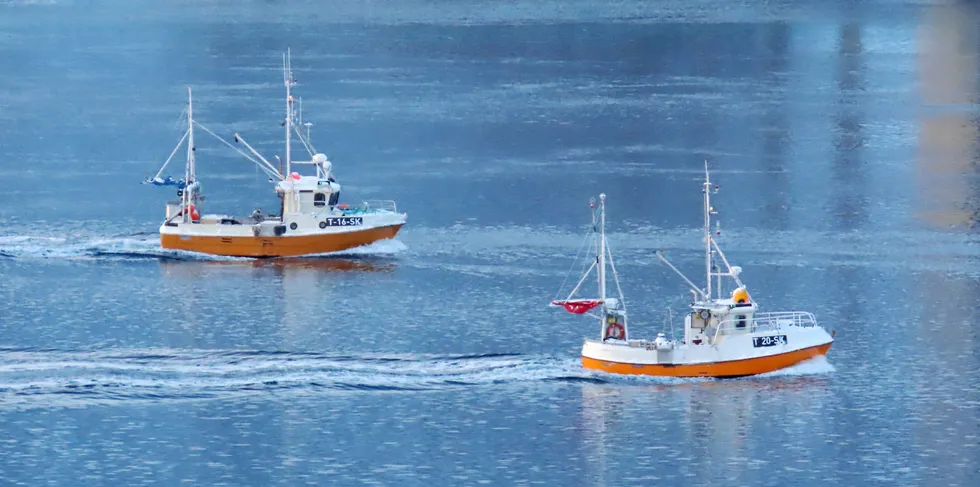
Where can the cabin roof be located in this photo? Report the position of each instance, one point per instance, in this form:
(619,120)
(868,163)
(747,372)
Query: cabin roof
(722,304)
(306,183)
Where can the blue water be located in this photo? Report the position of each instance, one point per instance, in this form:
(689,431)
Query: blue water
(844,136)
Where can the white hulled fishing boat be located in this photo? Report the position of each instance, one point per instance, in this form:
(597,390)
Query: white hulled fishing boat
(311,218)
(725,335)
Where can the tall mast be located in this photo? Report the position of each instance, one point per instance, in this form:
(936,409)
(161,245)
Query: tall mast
(602,248)
(190,138)
(707,228)
(287,77)
(189,169)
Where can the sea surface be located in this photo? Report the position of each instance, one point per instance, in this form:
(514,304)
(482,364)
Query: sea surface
(844,136)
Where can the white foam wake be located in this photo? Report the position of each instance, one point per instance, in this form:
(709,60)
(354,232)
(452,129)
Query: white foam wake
(44,378)
(815,366)
(50,378)
(381,247)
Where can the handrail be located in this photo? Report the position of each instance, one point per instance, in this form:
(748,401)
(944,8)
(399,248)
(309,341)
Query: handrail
(796,318)
(768,321)
(369,206)
(386,205)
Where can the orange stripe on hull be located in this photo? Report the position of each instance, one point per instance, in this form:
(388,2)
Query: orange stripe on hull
(285,246)
(733,368)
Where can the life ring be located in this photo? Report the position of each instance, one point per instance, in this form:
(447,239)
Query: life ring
(615,330)
(343,206)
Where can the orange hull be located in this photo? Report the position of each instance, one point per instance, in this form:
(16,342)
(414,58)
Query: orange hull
(733,368)
(285,246)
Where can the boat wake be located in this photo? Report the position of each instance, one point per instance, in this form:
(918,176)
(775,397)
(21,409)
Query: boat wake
(814,366)
(381,247)
(41,378)
(31,378)
(144,246)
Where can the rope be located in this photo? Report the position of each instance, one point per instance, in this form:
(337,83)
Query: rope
(581,247)
(172,154)
(616,277)
(265,169)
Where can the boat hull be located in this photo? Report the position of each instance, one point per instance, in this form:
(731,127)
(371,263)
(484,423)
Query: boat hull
(765,349)
(730,368)
(281,246)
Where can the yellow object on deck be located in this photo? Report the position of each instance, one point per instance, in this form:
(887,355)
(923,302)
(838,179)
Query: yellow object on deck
(740,295)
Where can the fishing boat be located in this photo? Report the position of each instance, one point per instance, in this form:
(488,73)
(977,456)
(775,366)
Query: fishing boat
(725,335)
(311,217)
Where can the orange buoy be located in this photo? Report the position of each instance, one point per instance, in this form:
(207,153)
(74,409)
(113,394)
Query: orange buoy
(740,295)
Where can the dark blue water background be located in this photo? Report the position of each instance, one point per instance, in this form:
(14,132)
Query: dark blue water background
(844,136)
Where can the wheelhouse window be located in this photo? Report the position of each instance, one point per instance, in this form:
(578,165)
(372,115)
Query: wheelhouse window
(319,199)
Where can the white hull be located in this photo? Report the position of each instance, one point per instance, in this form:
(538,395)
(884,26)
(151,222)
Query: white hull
(305,225)
(729,356)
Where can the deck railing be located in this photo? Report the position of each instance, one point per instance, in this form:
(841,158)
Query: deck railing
(378,205)
(769,321)
(784,318)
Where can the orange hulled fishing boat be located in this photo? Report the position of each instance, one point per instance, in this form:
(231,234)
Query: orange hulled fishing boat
(725,334)
(311,218)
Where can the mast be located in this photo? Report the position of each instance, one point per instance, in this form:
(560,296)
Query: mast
(189,169)
(287,77)
(190,137)
(602,259)
(707,229)
(602,247)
